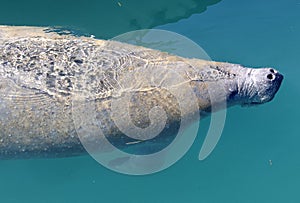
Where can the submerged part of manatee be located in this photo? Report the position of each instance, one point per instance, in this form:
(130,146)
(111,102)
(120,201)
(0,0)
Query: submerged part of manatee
(43,74)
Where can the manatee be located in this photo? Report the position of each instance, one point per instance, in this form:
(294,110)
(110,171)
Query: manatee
(42,73)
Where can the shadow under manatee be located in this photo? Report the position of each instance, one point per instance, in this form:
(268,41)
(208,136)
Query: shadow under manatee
(104,19)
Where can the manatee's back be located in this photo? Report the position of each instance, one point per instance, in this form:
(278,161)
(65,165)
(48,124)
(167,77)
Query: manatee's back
(41,73)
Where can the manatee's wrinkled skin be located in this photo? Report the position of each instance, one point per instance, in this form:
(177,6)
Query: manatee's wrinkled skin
(42,73)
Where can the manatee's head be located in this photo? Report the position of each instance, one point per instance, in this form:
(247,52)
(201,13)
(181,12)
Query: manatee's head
(219,85)
(256,86)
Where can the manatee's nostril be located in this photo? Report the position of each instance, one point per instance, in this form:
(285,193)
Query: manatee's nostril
(270,76)
(272,70)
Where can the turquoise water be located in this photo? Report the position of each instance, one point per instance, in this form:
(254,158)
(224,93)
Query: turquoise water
(253,33)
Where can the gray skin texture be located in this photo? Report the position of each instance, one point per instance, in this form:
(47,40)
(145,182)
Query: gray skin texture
(46,79)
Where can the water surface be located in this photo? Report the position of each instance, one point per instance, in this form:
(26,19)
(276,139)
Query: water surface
(253,33)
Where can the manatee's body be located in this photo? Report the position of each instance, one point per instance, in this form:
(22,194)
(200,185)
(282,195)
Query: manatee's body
(42,74)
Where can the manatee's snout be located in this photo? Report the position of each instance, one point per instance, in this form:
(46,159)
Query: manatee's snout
(276,78)
(260,85)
